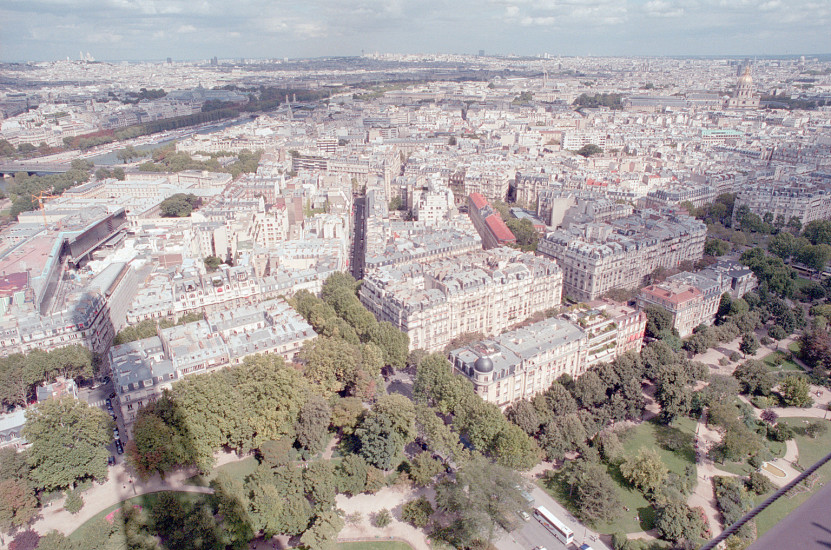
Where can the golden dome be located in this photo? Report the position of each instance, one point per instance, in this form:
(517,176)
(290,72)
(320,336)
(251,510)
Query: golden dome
(746,79)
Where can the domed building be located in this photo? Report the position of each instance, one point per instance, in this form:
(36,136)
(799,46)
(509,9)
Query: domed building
(522,363)
(745,95)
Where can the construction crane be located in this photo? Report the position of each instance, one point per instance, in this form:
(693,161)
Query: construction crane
(40,198)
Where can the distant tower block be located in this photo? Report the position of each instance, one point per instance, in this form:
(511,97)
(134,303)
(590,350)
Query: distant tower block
(481,53)
(744,96)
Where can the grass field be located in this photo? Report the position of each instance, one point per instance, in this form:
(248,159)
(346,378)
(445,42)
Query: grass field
(638,514)
(237,470)
(810,450)
(784,365)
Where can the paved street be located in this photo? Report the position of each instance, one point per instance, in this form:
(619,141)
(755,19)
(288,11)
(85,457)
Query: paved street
(532,534)
(98,398)
(359,239)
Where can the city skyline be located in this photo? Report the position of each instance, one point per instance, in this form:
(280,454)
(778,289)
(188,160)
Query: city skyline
(46,30)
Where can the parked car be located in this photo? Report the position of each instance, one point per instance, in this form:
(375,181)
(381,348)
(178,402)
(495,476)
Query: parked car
(109,403)
(524,515)
(111,461)
(119,447)
(115,432)
(112,395)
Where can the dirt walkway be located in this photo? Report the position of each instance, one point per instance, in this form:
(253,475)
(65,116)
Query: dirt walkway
(704,495)
(391,498)
(652,534)
(120,486)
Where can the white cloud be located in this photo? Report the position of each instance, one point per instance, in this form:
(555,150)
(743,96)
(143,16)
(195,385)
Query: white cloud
(47,29)
(663,8)
(538,21)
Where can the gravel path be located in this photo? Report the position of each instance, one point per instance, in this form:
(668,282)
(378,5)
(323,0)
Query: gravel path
(391,498)
(120,486)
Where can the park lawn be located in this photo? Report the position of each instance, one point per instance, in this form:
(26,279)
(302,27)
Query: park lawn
(374,545)
(802,282)
(655,436)
(629,497)
(640,515)
(810,451)
(743,468)
(80,534)
(239,469)
(785,365)
(739,468)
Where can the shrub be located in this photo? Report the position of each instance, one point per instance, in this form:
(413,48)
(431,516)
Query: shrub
(735,356)
(354,518)
(73,502)
(620,541)
(759,484)
(25,540)
(781,432)
(777,333)
(769,416)
(417,512)
(796,392)
(382,518)
(761,401)
(723,362)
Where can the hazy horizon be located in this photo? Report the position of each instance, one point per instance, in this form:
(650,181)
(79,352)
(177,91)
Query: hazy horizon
(49,30)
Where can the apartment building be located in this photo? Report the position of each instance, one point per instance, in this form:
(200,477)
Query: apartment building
(488,222)
(143,369)
(523,363)
(786,202)
(484,292)
(598,257)
(690,299)
(611,329)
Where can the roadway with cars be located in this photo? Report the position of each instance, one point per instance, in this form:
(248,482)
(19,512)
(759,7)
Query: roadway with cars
(531,534)
(103,396)
(359,238)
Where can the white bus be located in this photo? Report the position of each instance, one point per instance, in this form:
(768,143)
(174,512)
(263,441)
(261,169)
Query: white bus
(557,528)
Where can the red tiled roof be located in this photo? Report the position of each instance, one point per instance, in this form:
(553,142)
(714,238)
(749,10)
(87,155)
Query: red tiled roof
(14,282)
(478,200)
(499,229)
(670,296)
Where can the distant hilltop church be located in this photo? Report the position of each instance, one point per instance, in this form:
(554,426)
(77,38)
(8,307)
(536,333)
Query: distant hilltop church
(744,97)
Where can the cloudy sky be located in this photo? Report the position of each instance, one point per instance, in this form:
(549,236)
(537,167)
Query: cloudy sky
(199,29)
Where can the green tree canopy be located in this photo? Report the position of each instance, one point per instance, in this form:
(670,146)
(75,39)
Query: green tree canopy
(179,205)
(68,442)
(589,150)
(646,470)
(480,495)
